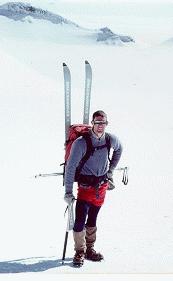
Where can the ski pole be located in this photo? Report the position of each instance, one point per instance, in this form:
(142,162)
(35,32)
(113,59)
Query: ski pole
(61,173)
(70,224)
(49,175)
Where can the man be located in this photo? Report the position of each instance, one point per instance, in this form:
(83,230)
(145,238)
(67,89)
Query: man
(96,176)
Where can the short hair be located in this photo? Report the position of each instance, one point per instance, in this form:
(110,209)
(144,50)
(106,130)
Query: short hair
(99,113)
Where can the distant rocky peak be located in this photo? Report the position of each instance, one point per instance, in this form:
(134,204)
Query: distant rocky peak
(106,35)
(22,8)
(17,6)
(19,10)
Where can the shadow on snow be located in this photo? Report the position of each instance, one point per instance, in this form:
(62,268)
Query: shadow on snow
(37,264)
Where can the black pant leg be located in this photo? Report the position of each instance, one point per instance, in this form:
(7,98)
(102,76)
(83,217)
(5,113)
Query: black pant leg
(81,212)
(92,215)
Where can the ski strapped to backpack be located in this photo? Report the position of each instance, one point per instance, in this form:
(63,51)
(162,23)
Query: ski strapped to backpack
(80,129)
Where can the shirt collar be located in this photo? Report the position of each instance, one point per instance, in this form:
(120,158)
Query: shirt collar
(96,137)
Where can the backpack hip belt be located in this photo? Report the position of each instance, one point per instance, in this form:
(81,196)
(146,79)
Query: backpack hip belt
(91,180)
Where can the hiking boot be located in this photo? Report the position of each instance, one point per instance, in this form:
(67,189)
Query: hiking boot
(78,259)
(92,255)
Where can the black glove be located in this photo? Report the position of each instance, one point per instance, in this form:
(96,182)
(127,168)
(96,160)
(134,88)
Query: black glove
(110,180)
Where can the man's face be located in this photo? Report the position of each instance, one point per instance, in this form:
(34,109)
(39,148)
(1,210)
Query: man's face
(99,125)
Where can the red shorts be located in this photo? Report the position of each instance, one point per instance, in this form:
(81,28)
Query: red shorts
(93,195)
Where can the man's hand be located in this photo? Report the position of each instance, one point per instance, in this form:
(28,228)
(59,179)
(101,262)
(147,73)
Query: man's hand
(68,198)
(110,180)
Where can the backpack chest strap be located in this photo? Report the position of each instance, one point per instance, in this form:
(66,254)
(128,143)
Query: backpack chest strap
(99,147)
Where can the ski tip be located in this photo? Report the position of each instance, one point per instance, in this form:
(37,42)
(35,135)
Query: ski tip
(64,64)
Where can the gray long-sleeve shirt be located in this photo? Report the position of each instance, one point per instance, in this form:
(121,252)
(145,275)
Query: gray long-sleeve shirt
(98,163)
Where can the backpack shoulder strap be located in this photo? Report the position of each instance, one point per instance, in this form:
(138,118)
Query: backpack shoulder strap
(89,151)
(108,144)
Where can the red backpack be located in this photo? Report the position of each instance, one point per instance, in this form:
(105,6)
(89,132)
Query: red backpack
(74,132)
(83,130)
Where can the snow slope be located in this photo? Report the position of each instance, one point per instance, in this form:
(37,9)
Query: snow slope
(134,86)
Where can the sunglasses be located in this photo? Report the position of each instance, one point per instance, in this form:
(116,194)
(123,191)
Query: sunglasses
(100,122)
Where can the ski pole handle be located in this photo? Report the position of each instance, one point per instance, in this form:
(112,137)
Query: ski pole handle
(125,176)
(70,224)
(70,220)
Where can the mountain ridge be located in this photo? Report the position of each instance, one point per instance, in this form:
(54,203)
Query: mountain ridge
(18,11)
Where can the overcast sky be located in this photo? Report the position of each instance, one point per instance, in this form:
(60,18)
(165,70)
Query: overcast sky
(116,1)
(90,1)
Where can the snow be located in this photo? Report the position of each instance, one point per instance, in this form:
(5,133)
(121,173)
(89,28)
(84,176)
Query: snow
(134,87)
